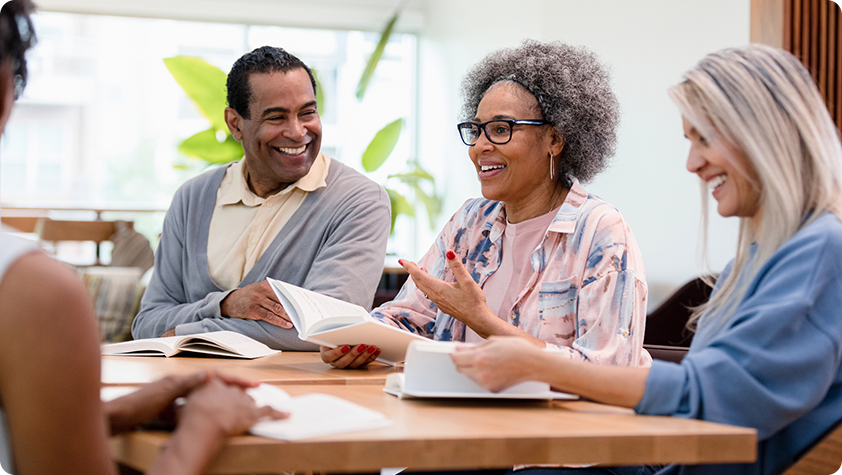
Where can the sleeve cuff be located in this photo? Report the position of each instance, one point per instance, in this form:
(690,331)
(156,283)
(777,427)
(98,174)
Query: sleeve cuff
(663,389)
(189,328)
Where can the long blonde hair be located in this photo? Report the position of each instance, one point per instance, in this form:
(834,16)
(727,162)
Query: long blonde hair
(761,105)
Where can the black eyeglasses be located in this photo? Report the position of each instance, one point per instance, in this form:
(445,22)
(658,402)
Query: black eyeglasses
(498,131)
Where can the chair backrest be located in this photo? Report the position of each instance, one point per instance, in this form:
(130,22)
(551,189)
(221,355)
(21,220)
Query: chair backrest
(60,230)
(25,224)
(667,324)
(666,353)
(821,458)
(53,230)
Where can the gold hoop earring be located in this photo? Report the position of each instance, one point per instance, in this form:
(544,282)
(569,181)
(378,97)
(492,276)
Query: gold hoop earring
(552,172)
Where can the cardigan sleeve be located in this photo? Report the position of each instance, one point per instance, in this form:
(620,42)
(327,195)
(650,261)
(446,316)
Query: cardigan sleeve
(165,304)
(774,359)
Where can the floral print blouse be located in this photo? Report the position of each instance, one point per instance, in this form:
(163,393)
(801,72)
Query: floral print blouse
(587,293)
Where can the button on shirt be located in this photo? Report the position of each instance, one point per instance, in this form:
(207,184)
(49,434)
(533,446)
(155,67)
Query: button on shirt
(243,224)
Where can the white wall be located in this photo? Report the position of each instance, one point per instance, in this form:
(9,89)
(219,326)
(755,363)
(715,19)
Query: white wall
(648,45)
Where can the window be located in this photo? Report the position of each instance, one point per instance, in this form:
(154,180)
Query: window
(101,118)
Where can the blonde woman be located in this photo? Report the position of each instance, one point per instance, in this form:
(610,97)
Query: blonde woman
(769,342)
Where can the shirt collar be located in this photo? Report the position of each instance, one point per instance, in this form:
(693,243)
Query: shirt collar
(239,190)
(565,219)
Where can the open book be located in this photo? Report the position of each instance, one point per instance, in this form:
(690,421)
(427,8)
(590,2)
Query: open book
(311,415)
(220,343)
(429,372)
(332,322)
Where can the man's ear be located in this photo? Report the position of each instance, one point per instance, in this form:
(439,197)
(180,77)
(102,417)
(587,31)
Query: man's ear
(234,121)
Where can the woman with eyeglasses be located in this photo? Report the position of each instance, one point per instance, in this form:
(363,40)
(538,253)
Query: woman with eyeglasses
(538,257)
(768,347)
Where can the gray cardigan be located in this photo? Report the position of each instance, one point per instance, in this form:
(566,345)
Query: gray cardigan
(334,244)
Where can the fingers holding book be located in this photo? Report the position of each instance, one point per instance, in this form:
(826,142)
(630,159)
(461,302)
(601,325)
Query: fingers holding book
(349,357)
(255,302)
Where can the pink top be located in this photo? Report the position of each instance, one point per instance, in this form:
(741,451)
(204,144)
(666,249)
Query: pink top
(586,291)
(504,285)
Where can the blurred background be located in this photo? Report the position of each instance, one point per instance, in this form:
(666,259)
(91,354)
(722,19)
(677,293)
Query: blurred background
(97,131)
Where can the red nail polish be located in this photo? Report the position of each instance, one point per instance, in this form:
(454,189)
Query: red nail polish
(361,348)
(371,349)
(346,349)
(400,262)
(451,255)
(376,354)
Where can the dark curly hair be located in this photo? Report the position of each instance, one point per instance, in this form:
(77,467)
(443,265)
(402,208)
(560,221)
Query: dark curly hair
(266,59)
(16,36)
(573,91)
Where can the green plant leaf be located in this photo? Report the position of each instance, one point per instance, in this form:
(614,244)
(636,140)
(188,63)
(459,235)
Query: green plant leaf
(205,146)
(399,206)
(204,83)
(432,203)
(320,95)
(381,145)
(374,59)
(413,176)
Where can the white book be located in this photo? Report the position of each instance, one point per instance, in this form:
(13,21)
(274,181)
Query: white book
(332,322)
(219,343)
(429,372)
(311,415)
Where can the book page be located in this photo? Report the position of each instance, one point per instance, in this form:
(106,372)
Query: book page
(429,372)
(225,343)
(391,341)
(313,310)
(143,347)
(311,415)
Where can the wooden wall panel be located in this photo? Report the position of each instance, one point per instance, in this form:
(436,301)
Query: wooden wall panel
(809,29)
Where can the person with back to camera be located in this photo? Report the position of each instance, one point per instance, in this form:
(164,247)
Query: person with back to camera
(767,350)
(539,257)
(51,418)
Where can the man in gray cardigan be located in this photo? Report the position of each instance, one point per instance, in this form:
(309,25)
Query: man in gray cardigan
(284,211)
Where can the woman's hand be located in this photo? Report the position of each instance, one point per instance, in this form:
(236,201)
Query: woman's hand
(156,399)
(499,363)
(463,300)
(348,357)
(212,412)
(223,408)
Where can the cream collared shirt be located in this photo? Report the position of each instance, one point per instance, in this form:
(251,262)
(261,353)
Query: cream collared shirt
(243,224)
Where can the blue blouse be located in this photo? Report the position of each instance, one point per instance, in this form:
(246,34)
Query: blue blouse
(774,365)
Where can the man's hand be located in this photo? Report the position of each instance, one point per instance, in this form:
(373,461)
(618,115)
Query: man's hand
(255,302)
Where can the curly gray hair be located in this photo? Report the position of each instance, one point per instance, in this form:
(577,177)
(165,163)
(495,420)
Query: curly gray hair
(573,90)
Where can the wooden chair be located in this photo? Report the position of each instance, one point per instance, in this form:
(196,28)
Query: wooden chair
(52,230)
(24,224)
(667,337)
(823,457)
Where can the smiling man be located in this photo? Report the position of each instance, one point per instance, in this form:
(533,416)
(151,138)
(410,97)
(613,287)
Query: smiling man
(285,211)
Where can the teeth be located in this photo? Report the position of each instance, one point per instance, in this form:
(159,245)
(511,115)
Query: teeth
(486,168)
(292,151)
(716,181)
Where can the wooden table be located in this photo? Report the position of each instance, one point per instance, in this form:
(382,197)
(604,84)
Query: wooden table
(289,367)
(461,434)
